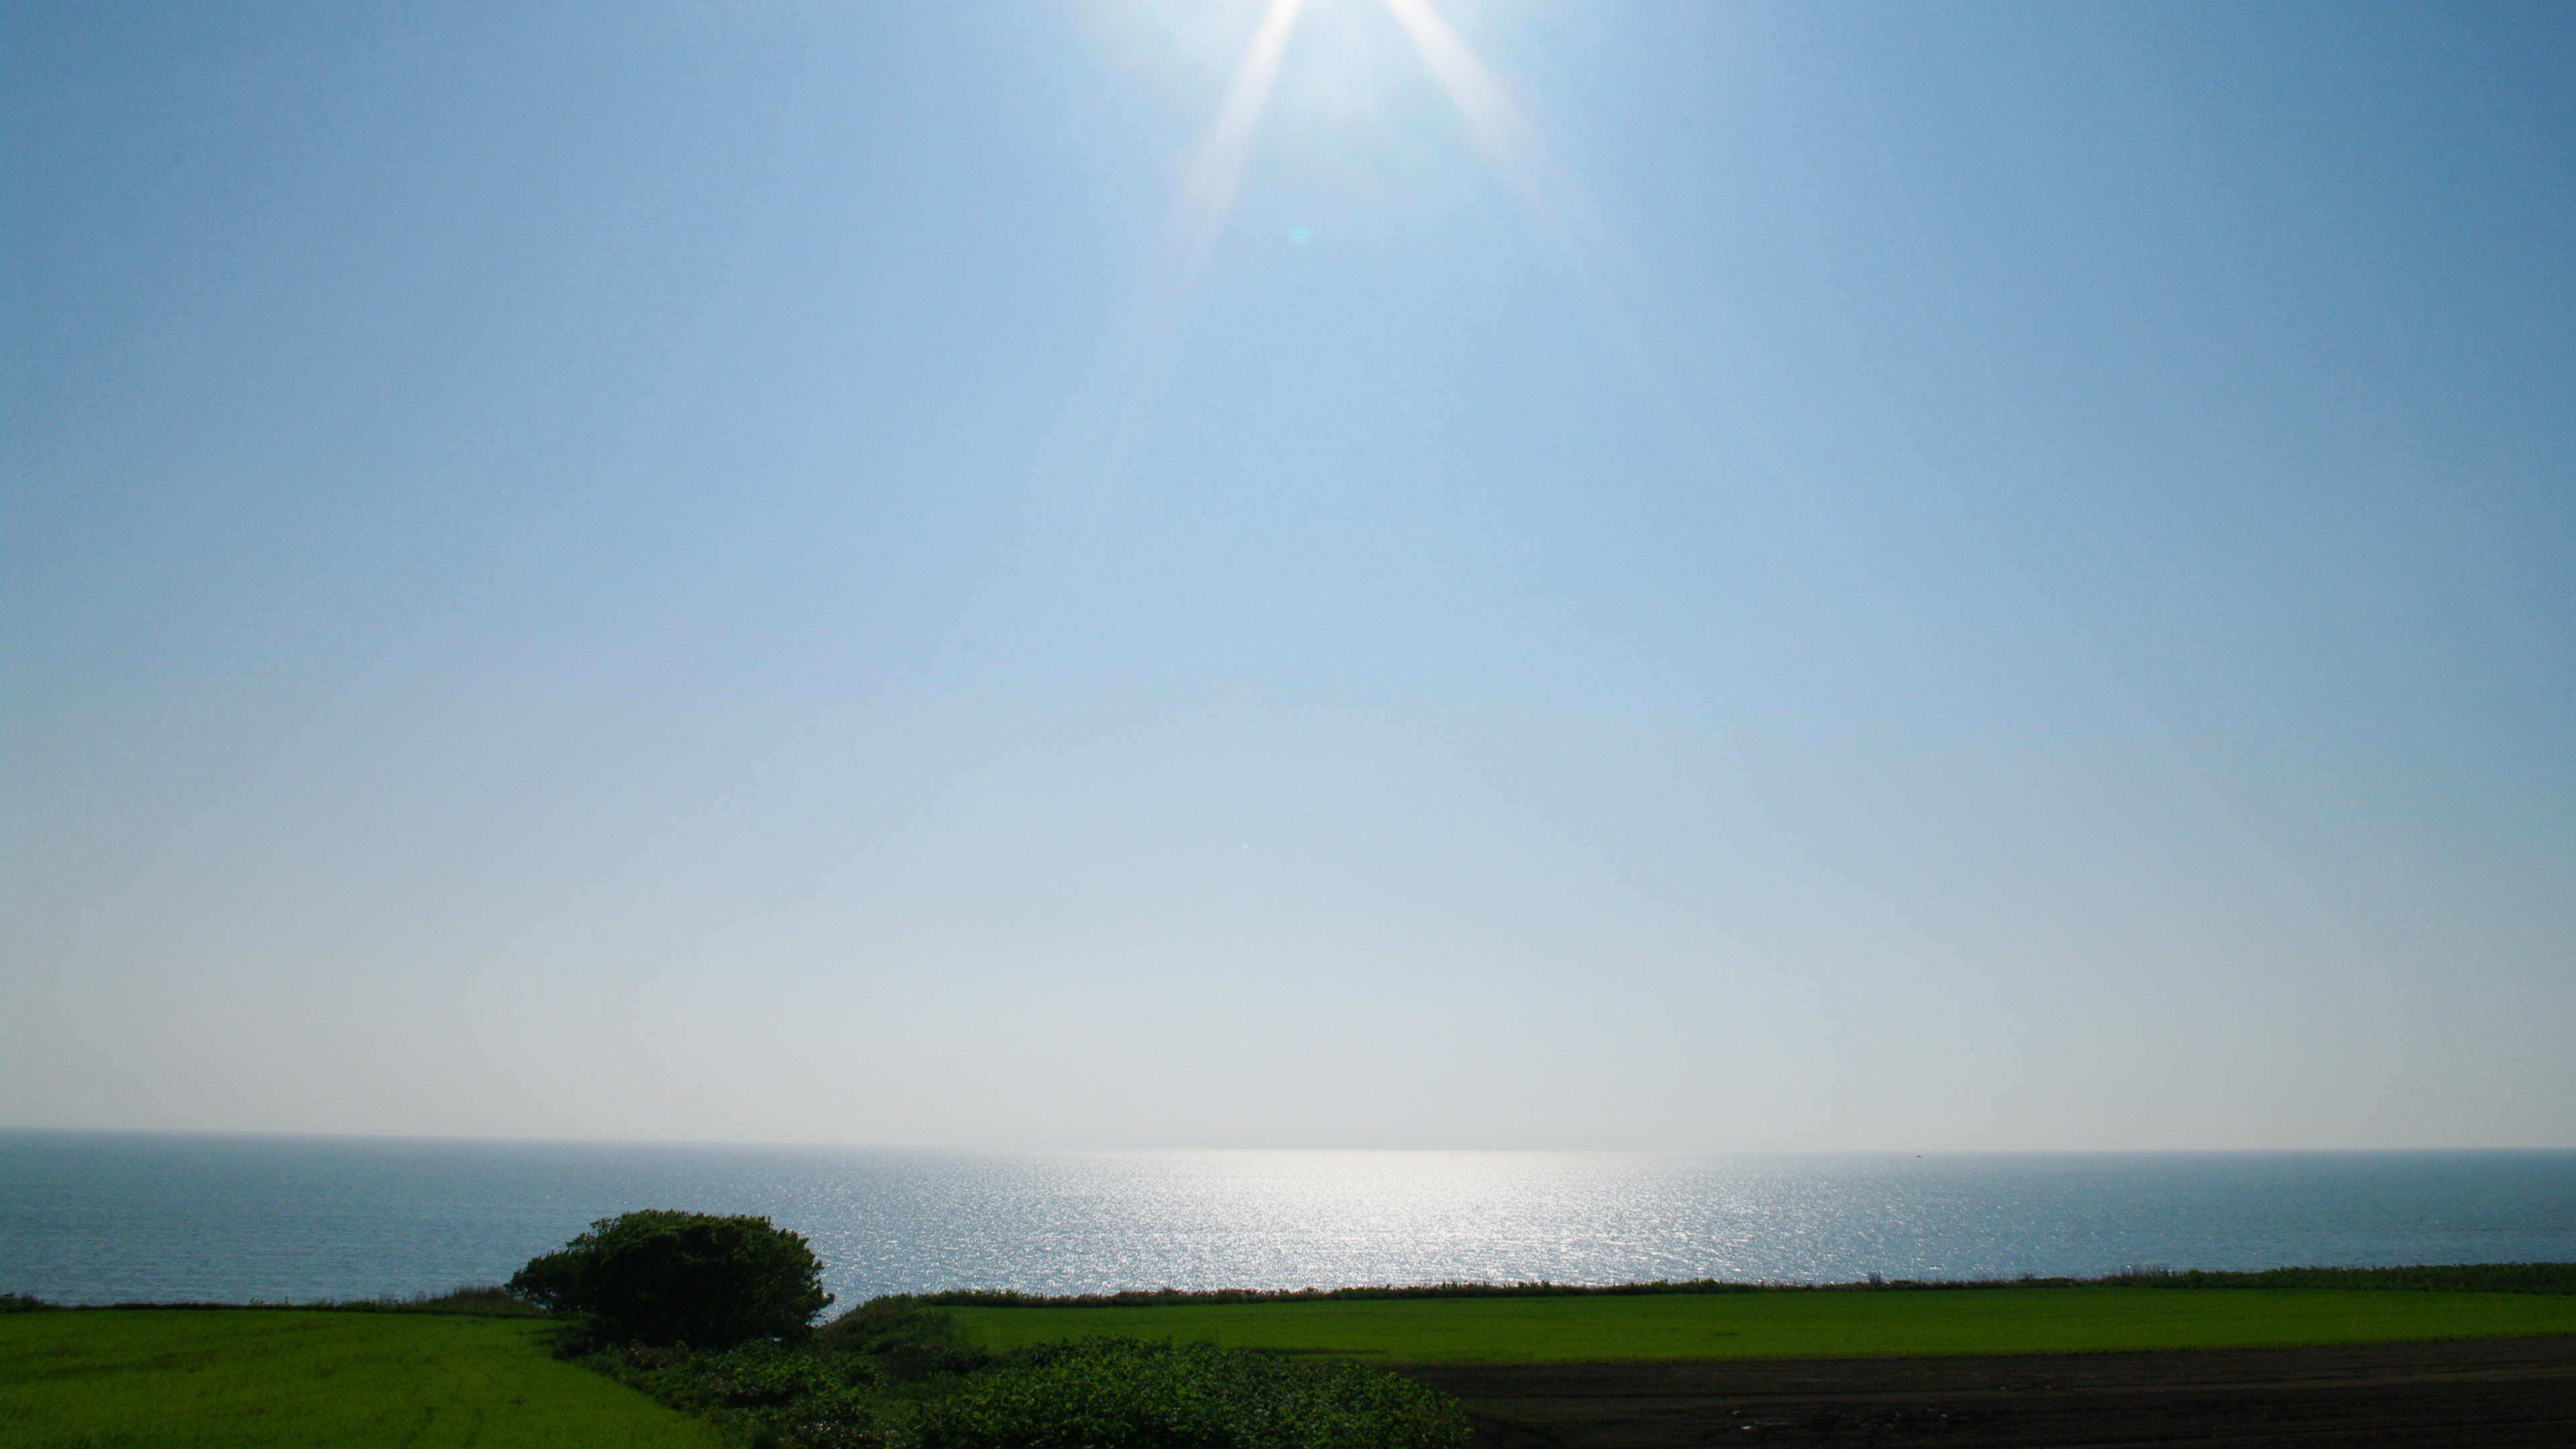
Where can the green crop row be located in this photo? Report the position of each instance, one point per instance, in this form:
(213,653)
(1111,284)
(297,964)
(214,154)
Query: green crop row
(1599,1328)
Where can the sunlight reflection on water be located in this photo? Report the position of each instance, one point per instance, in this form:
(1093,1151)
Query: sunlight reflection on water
(103,1218)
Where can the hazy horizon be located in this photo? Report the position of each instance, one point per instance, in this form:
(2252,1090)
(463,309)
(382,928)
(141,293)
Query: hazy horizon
(1005,1149)
(1292,573)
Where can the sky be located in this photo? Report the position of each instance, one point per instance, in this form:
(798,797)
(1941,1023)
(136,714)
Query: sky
(1365,573)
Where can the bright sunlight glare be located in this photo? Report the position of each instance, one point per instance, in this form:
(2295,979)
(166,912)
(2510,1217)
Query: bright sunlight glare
(1215,173)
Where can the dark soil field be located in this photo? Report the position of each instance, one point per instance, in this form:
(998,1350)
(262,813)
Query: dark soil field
(2505,1393)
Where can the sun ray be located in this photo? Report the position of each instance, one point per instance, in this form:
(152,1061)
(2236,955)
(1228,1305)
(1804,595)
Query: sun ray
(1489,113)
(1179,266)
(1556,206)
(1199,216)
(1218,170)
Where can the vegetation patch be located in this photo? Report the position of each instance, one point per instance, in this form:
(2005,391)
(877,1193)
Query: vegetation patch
(1109,1393)
(894,1376)
(709,1315)
(698,1279)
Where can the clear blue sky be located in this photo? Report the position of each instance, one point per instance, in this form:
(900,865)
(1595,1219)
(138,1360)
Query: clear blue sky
(1526,573)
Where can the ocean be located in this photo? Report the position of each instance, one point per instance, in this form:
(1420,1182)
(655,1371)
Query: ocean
(118,1217)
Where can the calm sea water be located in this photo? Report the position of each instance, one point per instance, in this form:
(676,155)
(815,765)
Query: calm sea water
(100,1218)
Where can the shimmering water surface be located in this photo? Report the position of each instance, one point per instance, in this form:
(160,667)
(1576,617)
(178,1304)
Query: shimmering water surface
(113,1217)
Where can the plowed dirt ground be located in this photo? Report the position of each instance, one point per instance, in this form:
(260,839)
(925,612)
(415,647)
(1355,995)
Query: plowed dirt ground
(2497,1393)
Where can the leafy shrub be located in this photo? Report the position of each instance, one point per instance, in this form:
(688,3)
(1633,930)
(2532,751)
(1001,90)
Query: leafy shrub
(829,1393)
(1126,1394)
(681,1278)
(769,1392)
(910,1341)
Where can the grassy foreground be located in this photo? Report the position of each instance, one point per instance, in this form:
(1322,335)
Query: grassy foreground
(918,1373)
(1793,1324)
(284,1377)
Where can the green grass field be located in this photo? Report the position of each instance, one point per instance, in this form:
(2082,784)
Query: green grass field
(1798,1325)
(294,1377)
(271,1377)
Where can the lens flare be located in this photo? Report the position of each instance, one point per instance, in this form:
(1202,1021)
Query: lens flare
(1218,171)
(1488,112)
(1207,198)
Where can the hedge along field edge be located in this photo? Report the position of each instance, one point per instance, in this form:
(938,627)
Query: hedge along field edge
(2426,1277)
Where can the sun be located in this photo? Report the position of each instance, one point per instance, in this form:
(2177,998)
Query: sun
(1216,170)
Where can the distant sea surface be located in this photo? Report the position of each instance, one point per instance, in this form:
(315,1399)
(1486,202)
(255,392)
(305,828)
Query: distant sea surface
(107,1218)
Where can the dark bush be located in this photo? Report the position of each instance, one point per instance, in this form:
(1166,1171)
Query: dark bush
(681,1278)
